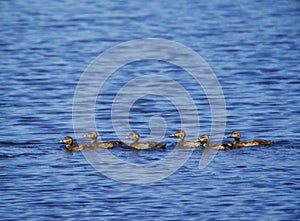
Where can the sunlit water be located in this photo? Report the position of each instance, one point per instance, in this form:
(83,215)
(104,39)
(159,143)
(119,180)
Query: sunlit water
(253,49)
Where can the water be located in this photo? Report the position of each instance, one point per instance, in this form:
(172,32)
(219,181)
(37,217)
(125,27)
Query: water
(253,49)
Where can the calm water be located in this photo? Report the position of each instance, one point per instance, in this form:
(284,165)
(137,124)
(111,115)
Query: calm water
(254,50)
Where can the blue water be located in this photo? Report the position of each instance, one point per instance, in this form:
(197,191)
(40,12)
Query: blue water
(253,48)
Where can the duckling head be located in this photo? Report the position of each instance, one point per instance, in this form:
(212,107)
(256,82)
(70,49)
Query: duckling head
(134,136)
(204,139)
(92,134)
(179,133)
(67,140)
(235,134)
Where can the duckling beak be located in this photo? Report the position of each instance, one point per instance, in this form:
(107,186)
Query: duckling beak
(61,141)
(172,135)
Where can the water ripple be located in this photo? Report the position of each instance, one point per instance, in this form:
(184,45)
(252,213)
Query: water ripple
(254,52)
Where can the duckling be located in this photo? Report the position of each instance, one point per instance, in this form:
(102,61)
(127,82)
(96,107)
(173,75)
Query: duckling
(76,147)
(246,143)
(134,136)
(184,143)
(205,142)
(105,144)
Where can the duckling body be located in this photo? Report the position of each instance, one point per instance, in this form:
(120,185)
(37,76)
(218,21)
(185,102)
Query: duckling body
(104,144)
(184,143)
(134,136)
(247,143)
(205,142)
(76,147)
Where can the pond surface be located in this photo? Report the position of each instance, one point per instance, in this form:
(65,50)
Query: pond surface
(253,49)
